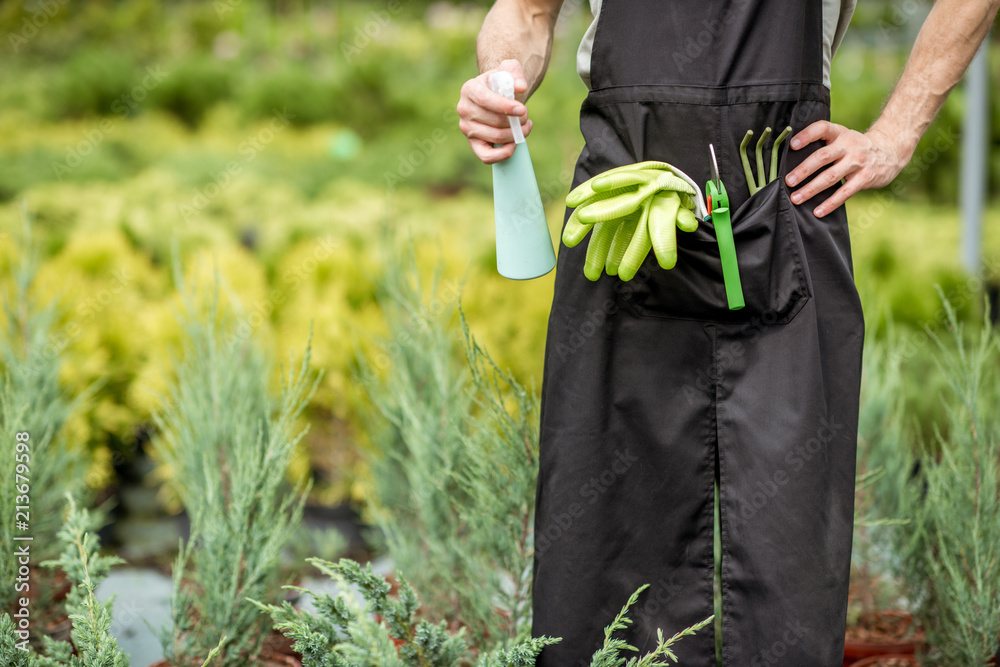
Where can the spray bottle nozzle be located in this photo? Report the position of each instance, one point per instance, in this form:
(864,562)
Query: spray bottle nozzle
(502,83)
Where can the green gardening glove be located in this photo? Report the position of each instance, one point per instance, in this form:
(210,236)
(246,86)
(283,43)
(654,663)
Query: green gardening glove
(629,211)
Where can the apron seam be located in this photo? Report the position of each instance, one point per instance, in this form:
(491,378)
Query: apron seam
(711,453)
(724,88)
(792,238)
(712,96)
(723,487)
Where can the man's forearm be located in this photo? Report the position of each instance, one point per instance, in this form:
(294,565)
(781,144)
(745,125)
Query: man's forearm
(517,30)
(941,54)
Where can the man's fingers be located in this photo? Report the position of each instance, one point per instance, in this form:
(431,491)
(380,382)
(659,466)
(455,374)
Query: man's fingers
(821,129)
(815,162)
(837,199)
(823,180)
(486,117)
(491,151)
(863,161)
(478,91)
(488,154)
(483,114)
(476,130)
(469,110)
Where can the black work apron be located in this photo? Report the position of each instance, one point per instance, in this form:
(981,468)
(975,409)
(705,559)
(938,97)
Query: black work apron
(654,390)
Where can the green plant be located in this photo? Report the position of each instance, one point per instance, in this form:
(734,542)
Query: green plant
(379,630)
(228,443)
(610,654)
(952,552)
(453,462)
(192,87)
(95,81)
(364,626)
(882,437)
(92,645)
(33,403)
(454,468)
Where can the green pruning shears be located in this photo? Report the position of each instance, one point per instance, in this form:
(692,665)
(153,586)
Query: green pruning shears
(718,214)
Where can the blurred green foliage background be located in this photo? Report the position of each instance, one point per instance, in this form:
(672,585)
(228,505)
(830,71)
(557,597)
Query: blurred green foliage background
(270,141)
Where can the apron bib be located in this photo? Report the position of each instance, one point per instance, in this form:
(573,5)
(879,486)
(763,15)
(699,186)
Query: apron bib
(654,390)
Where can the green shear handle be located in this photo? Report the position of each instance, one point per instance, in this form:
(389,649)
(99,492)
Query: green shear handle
(718,213)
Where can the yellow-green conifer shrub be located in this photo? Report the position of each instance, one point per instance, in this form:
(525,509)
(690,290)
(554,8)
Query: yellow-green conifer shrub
(115,326)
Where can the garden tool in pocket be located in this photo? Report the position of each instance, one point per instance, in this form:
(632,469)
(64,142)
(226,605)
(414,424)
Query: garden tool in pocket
(632,209)
(718,213)
(756,184)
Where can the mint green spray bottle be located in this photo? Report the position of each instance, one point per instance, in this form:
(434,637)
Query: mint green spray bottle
(524,246)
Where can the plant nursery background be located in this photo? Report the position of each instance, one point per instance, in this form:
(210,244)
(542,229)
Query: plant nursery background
(284,182)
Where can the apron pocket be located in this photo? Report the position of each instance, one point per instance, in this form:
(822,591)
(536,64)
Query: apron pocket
(768,249)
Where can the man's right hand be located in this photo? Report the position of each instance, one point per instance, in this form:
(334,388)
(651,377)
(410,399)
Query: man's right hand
(483,114)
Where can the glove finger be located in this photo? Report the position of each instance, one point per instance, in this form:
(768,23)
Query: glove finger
(619,206)
(597,251)
(623,236)
(687,221)
(638,247)
(607,194)
(669,181)
(574,231)
(624,179)
(585,190)
(662,228)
